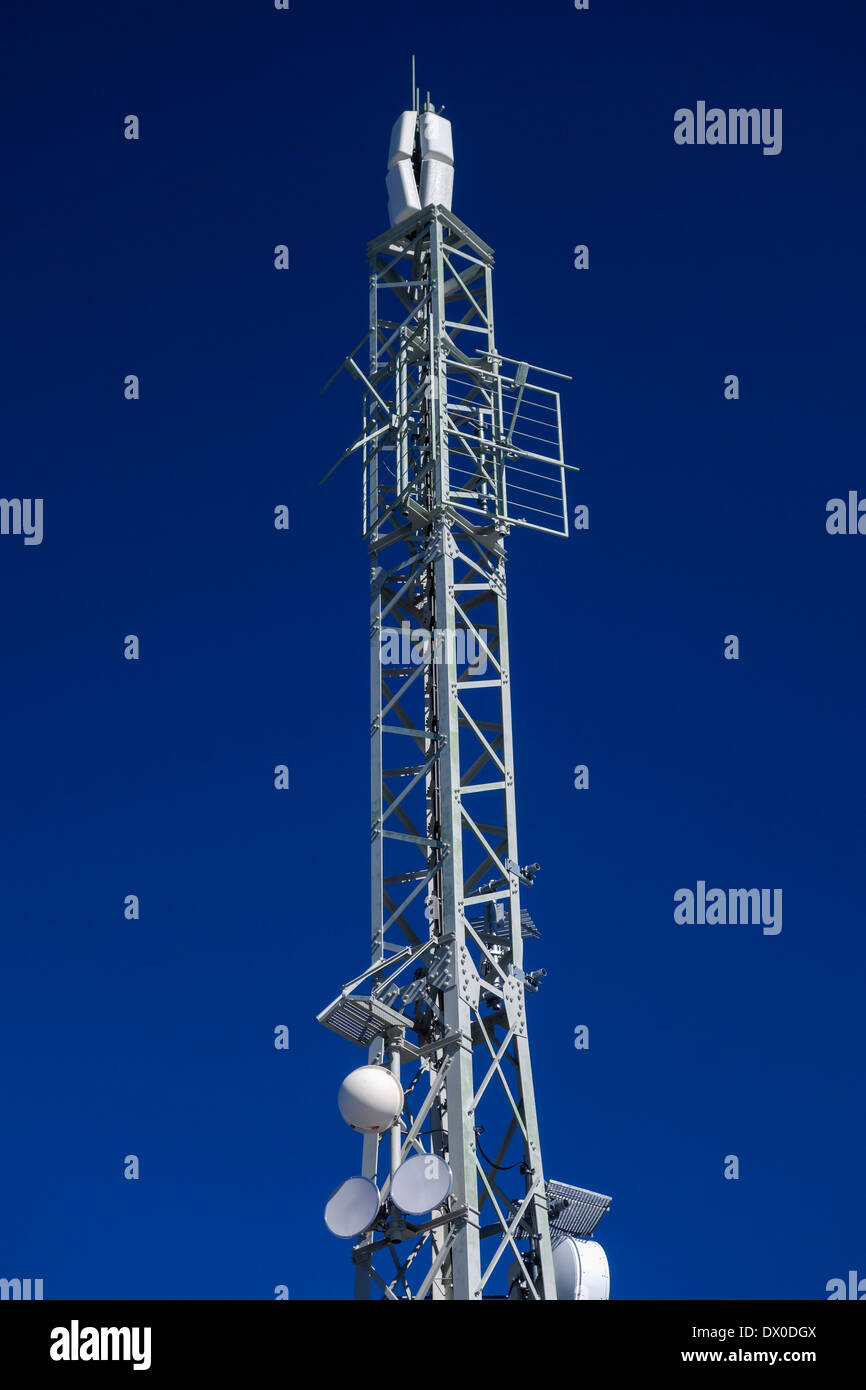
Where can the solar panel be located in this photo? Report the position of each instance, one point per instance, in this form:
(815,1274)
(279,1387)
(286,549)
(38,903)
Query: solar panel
(360,1019)
(574,1211)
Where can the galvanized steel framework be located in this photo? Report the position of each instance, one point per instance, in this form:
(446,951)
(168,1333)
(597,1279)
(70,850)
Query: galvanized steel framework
(458,445)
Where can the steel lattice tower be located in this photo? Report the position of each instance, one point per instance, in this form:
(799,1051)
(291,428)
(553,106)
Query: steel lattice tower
(459,444)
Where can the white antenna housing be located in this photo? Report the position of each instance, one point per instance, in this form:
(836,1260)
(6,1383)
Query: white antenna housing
(436,142)
(370,1099)
(581,1271)
(419,140)
(403,138)
(403,197)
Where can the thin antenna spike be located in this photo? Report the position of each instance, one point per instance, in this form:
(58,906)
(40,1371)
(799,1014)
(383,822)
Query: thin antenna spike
(414,94)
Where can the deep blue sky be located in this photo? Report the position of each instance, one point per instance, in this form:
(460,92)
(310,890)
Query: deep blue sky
(707,517)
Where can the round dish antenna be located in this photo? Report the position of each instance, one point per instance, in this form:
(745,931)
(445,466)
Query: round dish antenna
(420,1184)
(352,1207)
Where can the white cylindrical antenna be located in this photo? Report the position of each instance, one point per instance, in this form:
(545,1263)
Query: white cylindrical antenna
(414,106)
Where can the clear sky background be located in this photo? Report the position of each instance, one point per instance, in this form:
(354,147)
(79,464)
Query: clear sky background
(707,517)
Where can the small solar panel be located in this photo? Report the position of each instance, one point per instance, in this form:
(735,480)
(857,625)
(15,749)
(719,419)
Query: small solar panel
(574,1211)
(360,1019)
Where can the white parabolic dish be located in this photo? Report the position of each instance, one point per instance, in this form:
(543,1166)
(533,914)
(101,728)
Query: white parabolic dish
(420,1184)
(352,1207)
